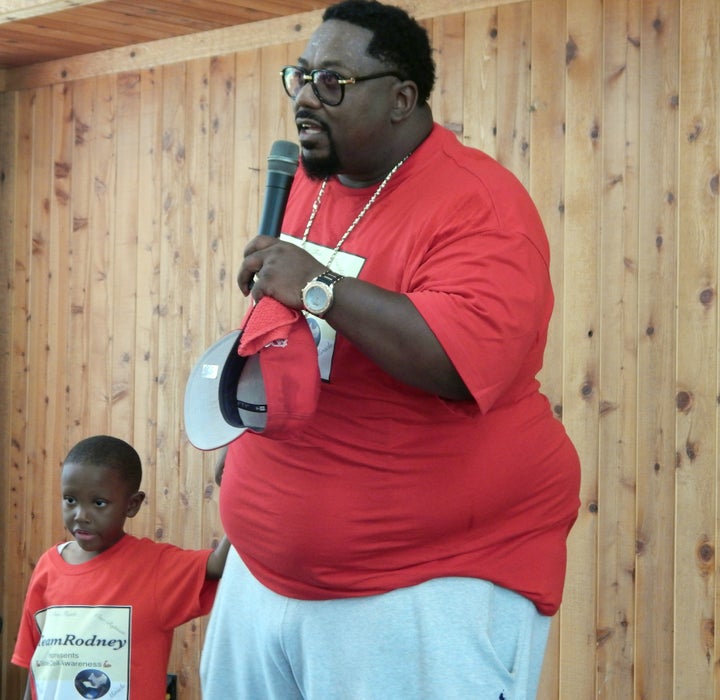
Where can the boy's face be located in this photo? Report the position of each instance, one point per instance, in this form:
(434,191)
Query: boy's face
(96,502)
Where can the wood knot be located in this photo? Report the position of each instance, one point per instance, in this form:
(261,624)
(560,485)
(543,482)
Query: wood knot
(706,552)
(707,296)
(62,170)
(695,133)
(602,635)
(684,401)
(607,407)
(571,50)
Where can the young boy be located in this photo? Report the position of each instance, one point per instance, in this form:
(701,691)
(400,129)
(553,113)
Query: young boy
(100,609)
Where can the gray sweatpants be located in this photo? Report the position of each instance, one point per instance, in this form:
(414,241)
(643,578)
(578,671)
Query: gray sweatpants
(445,639)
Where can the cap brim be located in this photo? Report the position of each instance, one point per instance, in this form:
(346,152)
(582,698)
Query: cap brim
(205,424)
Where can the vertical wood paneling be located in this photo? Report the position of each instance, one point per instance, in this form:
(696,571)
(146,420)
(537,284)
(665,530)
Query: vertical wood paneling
(246,179)
(193,283)
(547,170)
(79,282)
(513,88)
(20,554)
(697,352)
(38,320)
(581,321)
(276,114)
(60,232)
(547,178)
(447,35)
(221,186)
(101,236)
(655,443)
(124,253)
(147,307)
(126,202)
(480,87)
(221,287)
(172,273)
(12,477)
(618,339)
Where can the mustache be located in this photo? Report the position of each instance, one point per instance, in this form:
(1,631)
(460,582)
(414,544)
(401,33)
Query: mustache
(307,114)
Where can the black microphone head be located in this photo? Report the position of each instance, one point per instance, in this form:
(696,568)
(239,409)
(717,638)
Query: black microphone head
(283,158)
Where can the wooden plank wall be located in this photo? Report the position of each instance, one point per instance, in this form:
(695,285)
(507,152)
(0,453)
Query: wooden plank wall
(126,199)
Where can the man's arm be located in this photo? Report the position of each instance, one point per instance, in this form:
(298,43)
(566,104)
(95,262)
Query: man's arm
(383,325)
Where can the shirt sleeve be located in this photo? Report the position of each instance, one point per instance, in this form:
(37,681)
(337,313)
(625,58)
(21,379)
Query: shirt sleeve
(182,590)
(487,298)
(28,632)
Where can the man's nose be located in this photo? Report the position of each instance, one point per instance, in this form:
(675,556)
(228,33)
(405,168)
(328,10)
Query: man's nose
(307,95)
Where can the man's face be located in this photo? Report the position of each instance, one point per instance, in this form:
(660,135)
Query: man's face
(348,138)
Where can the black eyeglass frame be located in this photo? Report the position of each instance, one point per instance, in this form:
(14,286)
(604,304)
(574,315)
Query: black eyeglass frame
(342,82)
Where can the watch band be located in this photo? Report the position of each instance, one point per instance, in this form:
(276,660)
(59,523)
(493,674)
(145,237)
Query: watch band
(329,278)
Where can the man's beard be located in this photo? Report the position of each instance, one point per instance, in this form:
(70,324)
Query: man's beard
(320,168)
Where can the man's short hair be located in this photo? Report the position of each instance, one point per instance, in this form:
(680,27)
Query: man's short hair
(398,39)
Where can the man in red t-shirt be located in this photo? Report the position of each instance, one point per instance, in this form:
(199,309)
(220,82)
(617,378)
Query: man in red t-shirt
(433,462)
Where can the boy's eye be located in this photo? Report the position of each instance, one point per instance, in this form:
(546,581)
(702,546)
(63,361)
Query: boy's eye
(69,500)
(100,503)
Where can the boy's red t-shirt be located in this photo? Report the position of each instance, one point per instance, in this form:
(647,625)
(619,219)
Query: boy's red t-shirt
(108,624)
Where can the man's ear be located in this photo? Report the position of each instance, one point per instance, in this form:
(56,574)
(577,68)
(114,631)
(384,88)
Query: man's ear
(134,503)
(406,97)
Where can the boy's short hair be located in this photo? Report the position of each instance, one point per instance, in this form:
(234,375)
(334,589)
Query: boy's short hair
(109,451)
(398,39)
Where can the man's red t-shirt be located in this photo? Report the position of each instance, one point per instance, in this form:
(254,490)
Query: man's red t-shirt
(390,485)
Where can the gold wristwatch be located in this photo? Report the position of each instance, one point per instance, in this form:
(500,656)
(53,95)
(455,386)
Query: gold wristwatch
(317,294)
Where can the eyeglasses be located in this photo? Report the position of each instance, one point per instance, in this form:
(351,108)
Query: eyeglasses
(328,86)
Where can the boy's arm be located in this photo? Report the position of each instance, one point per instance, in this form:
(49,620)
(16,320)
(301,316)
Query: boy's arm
(220,465)
(216,561)
(28,693)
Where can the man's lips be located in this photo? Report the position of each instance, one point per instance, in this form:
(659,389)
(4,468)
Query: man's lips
(308,126)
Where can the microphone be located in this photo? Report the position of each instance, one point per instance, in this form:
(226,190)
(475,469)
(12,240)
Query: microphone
(282,164)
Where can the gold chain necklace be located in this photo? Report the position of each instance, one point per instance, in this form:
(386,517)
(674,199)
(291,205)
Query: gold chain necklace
(370,202)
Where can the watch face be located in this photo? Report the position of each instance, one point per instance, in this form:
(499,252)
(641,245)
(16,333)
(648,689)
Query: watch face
(316,299)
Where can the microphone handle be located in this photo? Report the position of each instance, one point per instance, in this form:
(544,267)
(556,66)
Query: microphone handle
(277,192)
